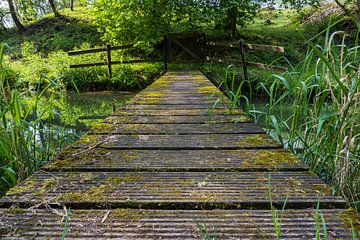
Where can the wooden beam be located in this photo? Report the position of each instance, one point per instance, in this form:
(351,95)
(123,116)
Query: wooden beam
(268,48)
(96,50)
(251,64)
(113,63)
(260,47)
(184,48)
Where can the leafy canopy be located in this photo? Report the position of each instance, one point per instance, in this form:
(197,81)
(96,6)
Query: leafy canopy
(146,22)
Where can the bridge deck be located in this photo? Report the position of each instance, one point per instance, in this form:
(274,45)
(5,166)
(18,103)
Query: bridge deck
(172,164)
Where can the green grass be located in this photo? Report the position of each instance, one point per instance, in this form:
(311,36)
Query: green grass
(42,51)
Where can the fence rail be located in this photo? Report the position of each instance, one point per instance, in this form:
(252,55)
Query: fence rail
(109,61)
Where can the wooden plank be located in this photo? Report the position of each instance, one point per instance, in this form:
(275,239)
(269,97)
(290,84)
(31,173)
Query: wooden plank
(178,101)
(252,64)
(113,63)
(209,107)
(186,142)
(174,224)
(105,160)
(267,67)
(261,47)
(173,190)
(181,112)
(164,119)
(176,129)
(96,50)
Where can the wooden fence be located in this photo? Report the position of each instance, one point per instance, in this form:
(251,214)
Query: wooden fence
(109,61)
(241,46)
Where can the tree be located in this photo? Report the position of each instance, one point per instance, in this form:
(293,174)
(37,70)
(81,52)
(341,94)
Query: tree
(236,13)
(14,16)
(148,21)
(53,7)
(349,7)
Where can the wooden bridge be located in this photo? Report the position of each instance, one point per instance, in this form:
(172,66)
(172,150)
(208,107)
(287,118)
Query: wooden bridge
(171,165)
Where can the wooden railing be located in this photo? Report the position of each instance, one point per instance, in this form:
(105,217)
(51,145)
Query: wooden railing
(109,62)
(241,45)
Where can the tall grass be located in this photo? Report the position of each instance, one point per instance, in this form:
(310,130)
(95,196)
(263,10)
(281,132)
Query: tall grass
(27,139)
(324,121)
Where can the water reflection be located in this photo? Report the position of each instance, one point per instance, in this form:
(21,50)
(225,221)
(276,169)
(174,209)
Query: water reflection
(77,113)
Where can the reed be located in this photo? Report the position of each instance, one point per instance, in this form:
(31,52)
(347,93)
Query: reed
(27,140)
(323,127)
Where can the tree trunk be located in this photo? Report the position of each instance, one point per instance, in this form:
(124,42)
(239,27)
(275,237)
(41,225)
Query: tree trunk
(72,5)
(231,21)
(16,20)
(53,7)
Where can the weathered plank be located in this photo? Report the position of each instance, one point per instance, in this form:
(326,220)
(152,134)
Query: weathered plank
(182,112)
(176,129)
(175,224)
(175,106)
(173,190)
(98,159)
(186,142)
(163,119)
(178,101)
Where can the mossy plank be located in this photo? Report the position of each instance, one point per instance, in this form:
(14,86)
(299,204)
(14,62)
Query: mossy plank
(98,159)
(158,106)
(164,119)
(194,141)
(176,129)
(179,112)
(178,190)
(170,224)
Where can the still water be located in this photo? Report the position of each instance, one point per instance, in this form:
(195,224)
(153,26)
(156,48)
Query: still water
(79,112)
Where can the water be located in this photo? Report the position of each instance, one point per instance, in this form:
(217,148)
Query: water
(82,111)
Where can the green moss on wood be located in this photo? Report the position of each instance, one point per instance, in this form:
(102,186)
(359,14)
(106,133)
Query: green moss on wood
(270,159)
(254,140)
(351,220)
(22,187)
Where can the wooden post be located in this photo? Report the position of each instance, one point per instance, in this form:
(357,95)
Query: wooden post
(203,46)
(166,53)
(243,59)
(108,52)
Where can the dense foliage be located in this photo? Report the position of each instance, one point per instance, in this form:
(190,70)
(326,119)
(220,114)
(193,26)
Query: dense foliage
(146,23)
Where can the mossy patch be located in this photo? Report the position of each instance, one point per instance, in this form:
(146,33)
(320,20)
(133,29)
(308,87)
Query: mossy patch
(270,159)
(87,139)
(99,193)
(22,187)
(103,128)
(127,215)
(207,89)
(147,101)
(254,140)
(240,119)
(152,94)
(47,185)
(351,220)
